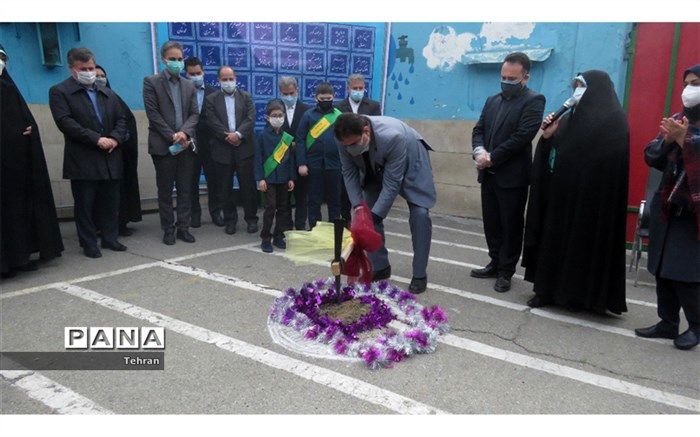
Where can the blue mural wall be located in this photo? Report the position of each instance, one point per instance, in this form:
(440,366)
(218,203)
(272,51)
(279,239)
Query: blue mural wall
(262,52)
(123,49)
(446,71)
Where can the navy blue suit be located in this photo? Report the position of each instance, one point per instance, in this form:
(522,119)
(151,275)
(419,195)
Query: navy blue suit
(325,176)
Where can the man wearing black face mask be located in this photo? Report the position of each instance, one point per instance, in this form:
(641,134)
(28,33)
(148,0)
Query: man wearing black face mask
(502,147)
(317,155)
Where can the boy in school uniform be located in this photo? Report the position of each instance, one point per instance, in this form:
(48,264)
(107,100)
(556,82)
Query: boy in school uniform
(317,155)
(275,174)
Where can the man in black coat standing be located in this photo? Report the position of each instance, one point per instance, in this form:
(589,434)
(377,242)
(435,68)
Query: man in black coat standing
(230,116)
(93,125)
(195,73)
(294,108)
(356,102)
(502,145)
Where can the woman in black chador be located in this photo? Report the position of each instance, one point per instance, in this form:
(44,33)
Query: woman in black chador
(575,229)
(29,223)
(129,196)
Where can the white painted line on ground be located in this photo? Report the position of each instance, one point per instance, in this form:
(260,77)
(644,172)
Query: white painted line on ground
(441,242)
(476,266)
(59,398)
(536,311)
(224,279)
(446,228)
(135,268)
(328,378)
(522,308)
(605,382)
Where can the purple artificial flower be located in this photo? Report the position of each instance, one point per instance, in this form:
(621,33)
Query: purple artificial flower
(341,346)
(288,317)
(383,285)
(394,355)
(319,283)
(312,333)
(371,355)
(405,295)
(418,336)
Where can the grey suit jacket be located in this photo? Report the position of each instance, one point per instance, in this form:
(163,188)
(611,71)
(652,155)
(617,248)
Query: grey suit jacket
(158,102)
(400,157)
(216,122)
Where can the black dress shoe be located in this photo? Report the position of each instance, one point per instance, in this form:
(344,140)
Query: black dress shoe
(418,285)
(169,238)
(279,243)
(124,231)
(538,301)
(660,330)
(196,222)
(382,274)
(266,246)
(502,284)
(688,340)
(490,271)
(116,246)
(252,228)
(92,252)
(230,228)
(184,235)
(218,221)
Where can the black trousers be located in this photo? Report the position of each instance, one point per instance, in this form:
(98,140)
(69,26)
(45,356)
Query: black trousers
(503,210)
(203,162)
(301,199)
(324,185)
(96,207)
(672,296)
(345,206)
(224,200)
(276,208)
(176,170)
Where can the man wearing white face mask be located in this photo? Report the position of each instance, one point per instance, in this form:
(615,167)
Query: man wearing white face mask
(356,102)
(230,116)
(94,126)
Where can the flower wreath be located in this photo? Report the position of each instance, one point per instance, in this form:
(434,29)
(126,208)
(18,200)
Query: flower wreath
(299,310)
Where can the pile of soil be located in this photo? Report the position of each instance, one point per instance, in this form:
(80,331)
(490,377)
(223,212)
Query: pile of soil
(347,312)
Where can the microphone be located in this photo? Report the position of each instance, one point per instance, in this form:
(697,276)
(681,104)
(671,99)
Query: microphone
(570,103)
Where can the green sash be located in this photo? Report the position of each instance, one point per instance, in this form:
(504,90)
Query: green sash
(277,156)
(321,126)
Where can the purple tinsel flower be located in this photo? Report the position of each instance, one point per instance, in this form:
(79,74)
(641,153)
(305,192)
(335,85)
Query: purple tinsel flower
(383,285)
(394,355)
(341,346)
(393,292)
(290,292)
(288,316)
(434,314)
(311,333)
(418,336)
(371,355)
(405,295)
(319,283)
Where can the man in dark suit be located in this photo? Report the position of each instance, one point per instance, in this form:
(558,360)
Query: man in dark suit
(294,109)
(358,103)
(171,108)
(230,115)
(93,125)
(195,73)
(502,144)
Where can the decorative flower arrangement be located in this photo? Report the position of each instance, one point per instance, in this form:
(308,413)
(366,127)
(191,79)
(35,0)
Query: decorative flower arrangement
(382,302)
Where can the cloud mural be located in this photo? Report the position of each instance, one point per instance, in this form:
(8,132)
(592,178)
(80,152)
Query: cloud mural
(446,47)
